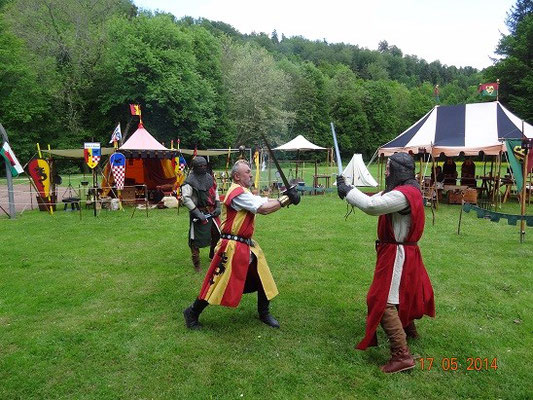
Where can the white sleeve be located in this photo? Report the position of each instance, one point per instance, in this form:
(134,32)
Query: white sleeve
(378,204)
(248,202)
(186,193)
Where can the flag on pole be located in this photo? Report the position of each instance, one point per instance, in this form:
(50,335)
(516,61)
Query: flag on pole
(117,135)
(257,169)
(489,89)
(118,167)
(11,160)
(195,152)
(135,109)
(92,154)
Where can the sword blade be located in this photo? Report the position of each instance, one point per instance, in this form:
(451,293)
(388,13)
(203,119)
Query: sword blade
(280,171)
(337,152)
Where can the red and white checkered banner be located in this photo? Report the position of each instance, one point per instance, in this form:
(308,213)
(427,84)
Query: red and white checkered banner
(118,167)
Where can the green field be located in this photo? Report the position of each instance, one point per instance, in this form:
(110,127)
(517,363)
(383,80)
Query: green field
(91,309)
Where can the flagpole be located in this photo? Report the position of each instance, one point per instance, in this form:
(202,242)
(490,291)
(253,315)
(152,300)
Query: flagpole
(10,189)
(498,91)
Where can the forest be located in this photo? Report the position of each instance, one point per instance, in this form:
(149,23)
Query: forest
(69,69)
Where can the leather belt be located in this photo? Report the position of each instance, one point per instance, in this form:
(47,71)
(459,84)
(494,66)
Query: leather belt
(248,241)
(378,242)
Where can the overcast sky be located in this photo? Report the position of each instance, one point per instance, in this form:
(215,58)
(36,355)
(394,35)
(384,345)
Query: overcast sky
(456,32)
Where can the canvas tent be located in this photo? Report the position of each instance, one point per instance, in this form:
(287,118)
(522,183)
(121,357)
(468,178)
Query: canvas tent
(467,128)
(299,143)
(357,174)
(148,162)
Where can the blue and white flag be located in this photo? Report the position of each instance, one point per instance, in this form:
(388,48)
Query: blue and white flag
(117,135)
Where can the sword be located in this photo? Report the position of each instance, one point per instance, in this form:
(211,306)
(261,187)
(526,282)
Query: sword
(280,171)
(337,152)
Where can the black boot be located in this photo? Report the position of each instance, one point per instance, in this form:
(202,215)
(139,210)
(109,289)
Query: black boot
(263,309)
(192,313)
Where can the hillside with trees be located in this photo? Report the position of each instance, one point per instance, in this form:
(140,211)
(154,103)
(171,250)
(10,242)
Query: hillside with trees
(68,69)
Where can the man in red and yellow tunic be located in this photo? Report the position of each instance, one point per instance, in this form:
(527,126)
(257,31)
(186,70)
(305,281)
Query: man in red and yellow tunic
(239,265)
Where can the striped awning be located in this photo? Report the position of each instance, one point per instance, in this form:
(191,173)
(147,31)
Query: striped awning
(466,128)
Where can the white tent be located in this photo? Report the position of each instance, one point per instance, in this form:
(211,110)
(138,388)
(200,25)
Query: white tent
(357,174)
(299,143)
(467,128)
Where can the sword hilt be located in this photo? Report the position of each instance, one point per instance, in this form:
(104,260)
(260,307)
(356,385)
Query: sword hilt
(207,216)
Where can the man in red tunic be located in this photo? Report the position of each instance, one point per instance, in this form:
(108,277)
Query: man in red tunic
(239,265)
(401,290)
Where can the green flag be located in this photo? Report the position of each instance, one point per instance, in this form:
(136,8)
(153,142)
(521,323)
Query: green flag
(515,163)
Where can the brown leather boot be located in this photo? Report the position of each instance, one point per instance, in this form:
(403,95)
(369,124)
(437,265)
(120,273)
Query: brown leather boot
(401,360)
(410,331)
(195,255)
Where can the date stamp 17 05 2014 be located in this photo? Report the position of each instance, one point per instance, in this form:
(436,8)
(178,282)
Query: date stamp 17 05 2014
(456,364)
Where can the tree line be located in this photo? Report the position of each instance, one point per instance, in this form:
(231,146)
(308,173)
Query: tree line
(69,68)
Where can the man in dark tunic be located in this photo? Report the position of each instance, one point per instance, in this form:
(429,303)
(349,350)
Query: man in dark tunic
(200,196)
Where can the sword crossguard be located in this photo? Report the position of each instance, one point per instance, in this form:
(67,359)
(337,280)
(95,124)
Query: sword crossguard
(286,190)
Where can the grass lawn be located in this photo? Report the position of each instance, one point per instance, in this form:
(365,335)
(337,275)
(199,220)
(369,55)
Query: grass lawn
(91,309)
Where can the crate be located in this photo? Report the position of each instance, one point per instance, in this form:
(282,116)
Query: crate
(470,196)
(455,197)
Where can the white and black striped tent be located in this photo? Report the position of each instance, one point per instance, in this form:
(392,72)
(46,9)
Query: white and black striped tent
(466,128)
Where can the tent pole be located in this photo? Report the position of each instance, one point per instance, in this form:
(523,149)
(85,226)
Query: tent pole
(523,198)
(382,160)
(489,197)
(495,185)
(378,174)
(498,183)
(297,159)
(315,180)
(434,185)
(420,172)
(269,173)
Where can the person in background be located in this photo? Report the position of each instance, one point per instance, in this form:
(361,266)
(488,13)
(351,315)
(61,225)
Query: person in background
(450,172)
(468,173)
(200,196)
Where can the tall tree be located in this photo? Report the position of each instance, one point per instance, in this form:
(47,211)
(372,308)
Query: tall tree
(66,38)
(151,60)
(257,91)
(515,69)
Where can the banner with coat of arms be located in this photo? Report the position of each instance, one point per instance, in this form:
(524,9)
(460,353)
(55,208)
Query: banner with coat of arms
(92,154)
(39,171)
(118,167)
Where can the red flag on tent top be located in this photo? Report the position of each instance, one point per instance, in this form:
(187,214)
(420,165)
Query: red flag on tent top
(135,109)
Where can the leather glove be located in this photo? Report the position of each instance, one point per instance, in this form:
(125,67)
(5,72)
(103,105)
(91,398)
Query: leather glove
(342,188)
(217,210)
(196,213)
(293,196)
